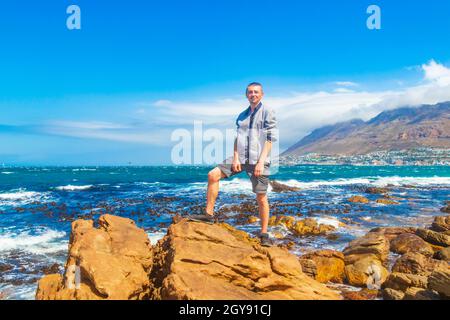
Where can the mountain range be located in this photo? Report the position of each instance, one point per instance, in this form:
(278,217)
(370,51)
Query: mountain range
(399,129)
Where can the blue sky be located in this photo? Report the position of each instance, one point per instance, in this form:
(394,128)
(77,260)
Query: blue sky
(112,92)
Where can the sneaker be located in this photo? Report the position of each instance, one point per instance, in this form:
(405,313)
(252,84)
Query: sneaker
(265,240)
(202,217)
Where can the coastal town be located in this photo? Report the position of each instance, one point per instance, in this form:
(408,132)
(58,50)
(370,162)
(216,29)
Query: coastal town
(412,157)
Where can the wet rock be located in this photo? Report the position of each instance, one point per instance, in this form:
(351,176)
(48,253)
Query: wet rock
(279,187)
(416,263)
(114,261)
(329,265)
(54,268)
(386,201)
(376,190)
(441,224)
(446,209)
(440,282)
(434,237)
(5,267)
(408,242)
(358,199)
(203,261)
(302,227)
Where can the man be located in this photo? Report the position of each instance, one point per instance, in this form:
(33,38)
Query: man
(256,127)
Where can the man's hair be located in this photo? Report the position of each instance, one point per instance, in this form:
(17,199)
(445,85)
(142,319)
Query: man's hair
(253,84)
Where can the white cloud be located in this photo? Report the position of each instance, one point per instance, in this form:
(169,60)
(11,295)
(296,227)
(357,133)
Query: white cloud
(437,73)
(346,83)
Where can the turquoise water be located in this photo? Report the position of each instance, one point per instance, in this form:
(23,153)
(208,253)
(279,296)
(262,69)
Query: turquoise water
(37,206)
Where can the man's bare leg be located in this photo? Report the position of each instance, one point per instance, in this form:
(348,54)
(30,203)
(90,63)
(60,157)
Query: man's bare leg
(263,205)
(214,177)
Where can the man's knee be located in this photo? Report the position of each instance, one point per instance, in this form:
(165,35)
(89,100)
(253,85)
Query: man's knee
(214,175)
(261,197)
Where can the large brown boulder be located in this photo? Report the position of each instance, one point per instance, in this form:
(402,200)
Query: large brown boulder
(112,262)
(201,261)
(364,260)
(329,265)
(440,281)
(433,237)
(416,263)
(372,243)
(393,232)
(441,224)
(407,242)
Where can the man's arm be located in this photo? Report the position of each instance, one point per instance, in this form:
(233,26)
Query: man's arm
(270,125)
(259,168)
(236,166)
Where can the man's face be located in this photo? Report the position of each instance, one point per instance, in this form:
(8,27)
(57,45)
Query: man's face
(254,94)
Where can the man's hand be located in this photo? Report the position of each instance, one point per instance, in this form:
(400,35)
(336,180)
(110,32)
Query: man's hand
(236,166)
(259,169)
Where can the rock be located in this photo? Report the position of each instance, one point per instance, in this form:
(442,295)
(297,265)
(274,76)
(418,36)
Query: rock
(114,262)
(202,261)
(440,282)
(408,242)
(446,209)
(434,237)
(441,224)
(386,201)
(393,232)
(443,254)
(363,294)
(302,227)
(391,294)
(329,265)
(416,263)
(358,199)
(371,244)
(377,190)
(54,268)
(279,187)
(413,293)
(402,281)
(252,219)
(367,271)
(309,267)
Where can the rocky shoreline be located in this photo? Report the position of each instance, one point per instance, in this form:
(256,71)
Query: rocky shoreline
(201,261)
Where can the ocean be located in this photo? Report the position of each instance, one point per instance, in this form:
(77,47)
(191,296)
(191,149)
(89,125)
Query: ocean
(38,204)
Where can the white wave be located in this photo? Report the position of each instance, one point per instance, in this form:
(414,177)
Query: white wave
(329,221)
(319,183)
(7,172)
(415,181)
(22,197)
(45,241)
(155,237)
(74,188)
(375,181)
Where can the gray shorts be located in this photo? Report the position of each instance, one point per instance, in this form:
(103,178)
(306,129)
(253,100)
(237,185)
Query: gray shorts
(259,184)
